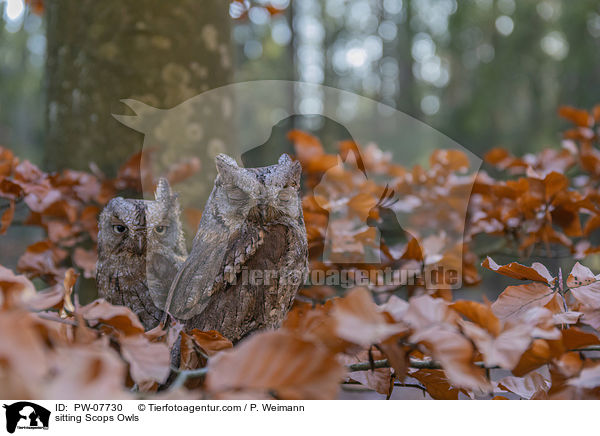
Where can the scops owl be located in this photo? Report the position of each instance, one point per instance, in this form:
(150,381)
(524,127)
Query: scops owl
(249,255)
(140,248)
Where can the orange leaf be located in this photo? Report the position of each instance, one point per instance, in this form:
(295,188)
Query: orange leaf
(578,116)
(7,217)
(480,314)
(536,272)
(437,384)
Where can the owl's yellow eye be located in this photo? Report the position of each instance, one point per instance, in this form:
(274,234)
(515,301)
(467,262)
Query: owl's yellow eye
(160,229)
(119,228)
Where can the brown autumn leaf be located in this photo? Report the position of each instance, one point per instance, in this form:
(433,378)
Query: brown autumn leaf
(211,341)
(591,317)
(536,272)
(480,314)
(434,325)
(120,318)
(68,284)
(425,312)
(378,379)
(574,338)
(589,378)
(22,350)
(579,117)
(316,325)
(7,217)
(514,301)
(191,355)
(503,350)
(14,289)
(10,189)
(148,361)
(307,147)
(41,260)
(360,321)
(413,251)
(361,203)
(396,307)
(539,353)
(580,275)
(276,361)
(397,356)
(46,299)
(7,161)
(584,286)
(436,383)
(526,386)
(87,372)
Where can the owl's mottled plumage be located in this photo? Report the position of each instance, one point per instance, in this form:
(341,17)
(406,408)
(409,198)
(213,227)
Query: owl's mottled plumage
(140,248)
(252,222)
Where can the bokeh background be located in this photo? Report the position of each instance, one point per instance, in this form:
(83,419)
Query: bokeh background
(484,72)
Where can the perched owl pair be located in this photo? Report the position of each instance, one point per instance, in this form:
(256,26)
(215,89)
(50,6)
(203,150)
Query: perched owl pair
(248,258)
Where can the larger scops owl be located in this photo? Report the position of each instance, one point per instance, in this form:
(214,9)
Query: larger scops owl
(249,256)
(140,248)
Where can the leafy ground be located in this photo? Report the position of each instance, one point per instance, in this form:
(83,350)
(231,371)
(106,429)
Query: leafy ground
(538,339)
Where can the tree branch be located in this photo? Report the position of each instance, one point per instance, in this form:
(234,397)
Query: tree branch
(414,363)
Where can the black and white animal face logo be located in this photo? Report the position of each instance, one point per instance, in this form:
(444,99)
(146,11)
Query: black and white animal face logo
(26,415)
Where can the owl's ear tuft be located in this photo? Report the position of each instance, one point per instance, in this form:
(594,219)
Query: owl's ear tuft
(284,159)
(295,172)
(163,191)
(225,164)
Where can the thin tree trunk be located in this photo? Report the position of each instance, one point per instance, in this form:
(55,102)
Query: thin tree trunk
(99,52)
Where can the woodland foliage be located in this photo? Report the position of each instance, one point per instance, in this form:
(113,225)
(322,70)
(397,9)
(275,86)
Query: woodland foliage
(537,340)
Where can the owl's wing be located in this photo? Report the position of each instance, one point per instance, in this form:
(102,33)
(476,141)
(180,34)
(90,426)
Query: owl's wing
(214,262)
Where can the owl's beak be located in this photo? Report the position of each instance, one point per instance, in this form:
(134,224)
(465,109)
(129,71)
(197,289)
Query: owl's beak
(140,245)
(259,213)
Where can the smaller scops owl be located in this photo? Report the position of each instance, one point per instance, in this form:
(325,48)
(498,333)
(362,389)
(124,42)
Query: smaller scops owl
(249,256)
(140,248)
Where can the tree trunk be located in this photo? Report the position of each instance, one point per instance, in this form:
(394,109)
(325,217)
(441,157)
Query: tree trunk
(99,52)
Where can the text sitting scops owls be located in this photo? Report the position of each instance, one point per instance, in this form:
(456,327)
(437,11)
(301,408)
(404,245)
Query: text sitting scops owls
(249,256)
(140,248)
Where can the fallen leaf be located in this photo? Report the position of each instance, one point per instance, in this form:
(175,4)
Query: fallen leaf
(278,361)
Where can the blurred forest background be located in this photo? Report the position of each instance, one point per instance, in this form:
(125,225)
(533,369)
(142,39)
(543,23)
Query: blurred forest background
(486,73)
